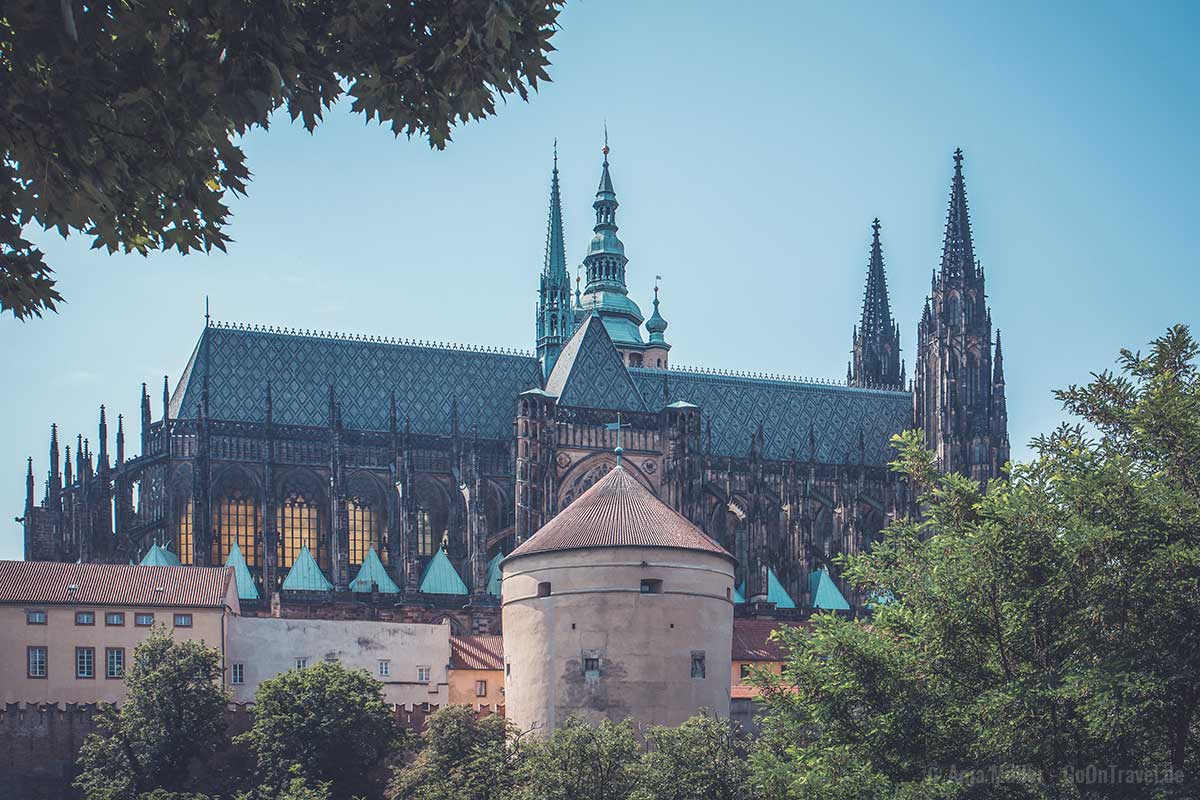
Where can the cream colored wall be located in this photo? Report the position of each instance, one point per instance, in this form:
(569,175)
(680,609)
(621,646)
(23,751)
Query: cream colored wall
(644,641)
(60,635)
(462,686)
(774,667)
(267,646)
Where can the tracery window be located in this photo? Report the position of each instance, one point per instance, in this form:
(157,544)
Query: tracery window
(364,530)
(424,532)
(183,535)
(237,521)
(300,526)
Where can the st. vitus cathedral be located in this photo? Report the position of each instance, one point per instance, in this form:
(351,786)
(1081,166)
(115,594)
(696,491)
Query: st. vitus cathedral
(276,442)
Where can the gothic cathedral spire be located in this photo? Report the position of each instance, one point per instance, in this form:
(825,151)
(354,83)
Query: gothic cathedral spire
(876,354)
(555,319)
(958,400)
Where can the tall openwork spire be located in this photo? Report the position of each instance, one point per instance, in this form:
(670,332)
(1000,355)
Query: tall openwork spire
(555,318)
(605,260)
(876,354)
(958,252)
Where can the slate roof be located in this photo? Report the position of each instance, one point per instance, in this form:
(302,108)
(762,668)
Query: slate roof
(113,584)
(735,405)
(477,652)
(617,511)
(589,372)
(300,368)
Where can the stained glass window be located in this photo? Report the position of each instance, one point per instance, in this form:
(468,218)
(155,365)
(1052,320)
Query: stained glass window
(424,533)
(364,530)
(183,534)
(237,521)
(299,526)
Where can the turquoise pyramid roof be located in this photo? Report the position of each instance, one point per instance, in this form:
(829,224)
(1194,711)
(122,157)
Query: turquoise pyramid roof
(493,574)
(372,571)
(305,575)
(589,372)
(159,557)
(245,584)
(440,576)
(775,592)
(824,591)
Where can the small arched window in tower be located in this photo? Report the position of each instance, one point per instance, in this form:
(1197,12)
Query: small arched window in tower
(424,532)
(237,521)
(299,527)
(183,534)
(364,530)
(544,589)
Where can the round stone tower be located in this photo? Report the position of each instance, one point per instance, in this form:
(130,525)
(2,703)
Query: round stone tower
(617,608)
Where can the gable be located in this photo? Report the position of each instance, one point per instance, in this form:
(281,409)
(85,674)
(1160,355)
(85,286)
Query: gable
(589,372)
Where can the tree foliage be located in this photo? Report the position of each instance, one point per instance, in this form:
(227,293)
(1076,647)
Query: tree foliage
(700,758)
(1042,637)
(122,120)
(174,712)
(463,757)
(322,724)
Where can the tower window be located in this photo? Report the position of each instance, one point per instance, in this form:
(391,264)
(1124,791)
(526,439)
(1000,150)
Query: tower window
(697,665)
(651,586)
(544,589)
(591,665)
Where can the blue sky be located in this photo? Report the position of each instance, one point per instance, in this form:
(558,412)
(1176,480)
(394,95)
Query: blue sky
(749,152)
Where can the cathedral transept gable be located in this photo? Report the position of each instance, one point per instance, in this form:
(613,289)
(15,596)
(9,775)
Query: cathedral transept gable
(590,374)
(428,381)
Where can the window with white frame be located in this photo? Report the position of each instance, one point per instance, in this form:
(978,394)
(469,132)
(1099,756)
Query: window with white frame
(424,674)
(114,662)
(237,674)
(385,667)
(301,663)
(85,662)
(481,688)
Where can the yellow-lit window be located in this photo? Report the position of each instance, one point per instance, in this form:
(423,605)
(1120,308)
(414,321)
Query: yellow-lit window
(299,526)
(424,533)
(237,521)
(183,535)
(364,531)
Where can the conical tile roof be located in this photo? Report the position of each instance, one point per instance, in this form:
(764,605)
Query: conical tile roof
(618,511)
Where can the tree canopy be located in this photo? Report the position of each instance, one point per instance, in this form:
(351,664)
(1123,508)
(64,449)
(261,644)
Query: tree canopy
(121,120)
(173,712)
(1037,639)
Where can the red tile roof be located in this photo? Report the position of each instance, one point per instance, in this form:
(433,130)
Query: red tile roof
(477,652)
(50,582)
(618,511)
(752,639)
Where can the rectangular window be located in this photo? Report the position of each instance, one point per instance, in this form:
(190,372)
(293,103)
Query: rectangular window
(591,665)
(114,662)
(652,586)
(183,620)
(143,619)
(301,663)
(36,617)
(237,674)
(697,665)
(544,589)
(507,669)
(423,674)
(85,618)
(481,688)
(37,661)
(745,671)
(385,667)
(114,618)
(85,662)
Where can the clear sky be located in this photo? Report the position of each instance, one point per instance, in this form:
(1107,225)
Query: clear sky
(751,147)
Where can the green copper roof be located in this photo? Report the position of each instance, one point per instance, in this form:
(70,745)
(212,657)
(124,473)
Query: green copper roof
(305,575)
(371,572)
(440,576)
(159,557)
(245,584)
(775,592)
(824,591)
(493,574)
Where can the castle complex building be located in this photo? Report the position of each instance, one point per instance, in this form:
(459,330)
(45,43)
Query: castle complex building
(286,448)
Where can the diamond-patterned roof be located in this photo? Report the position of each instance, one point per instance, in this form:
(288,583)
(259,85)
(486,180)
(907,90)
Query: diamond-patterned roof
(736,405)
(300,368)
(589,372)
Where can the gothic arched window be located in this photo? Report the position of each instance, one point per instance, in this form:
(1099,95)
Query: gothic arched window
(424,533)
(236,520)
(183,534)
(300,526)
(365,533)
